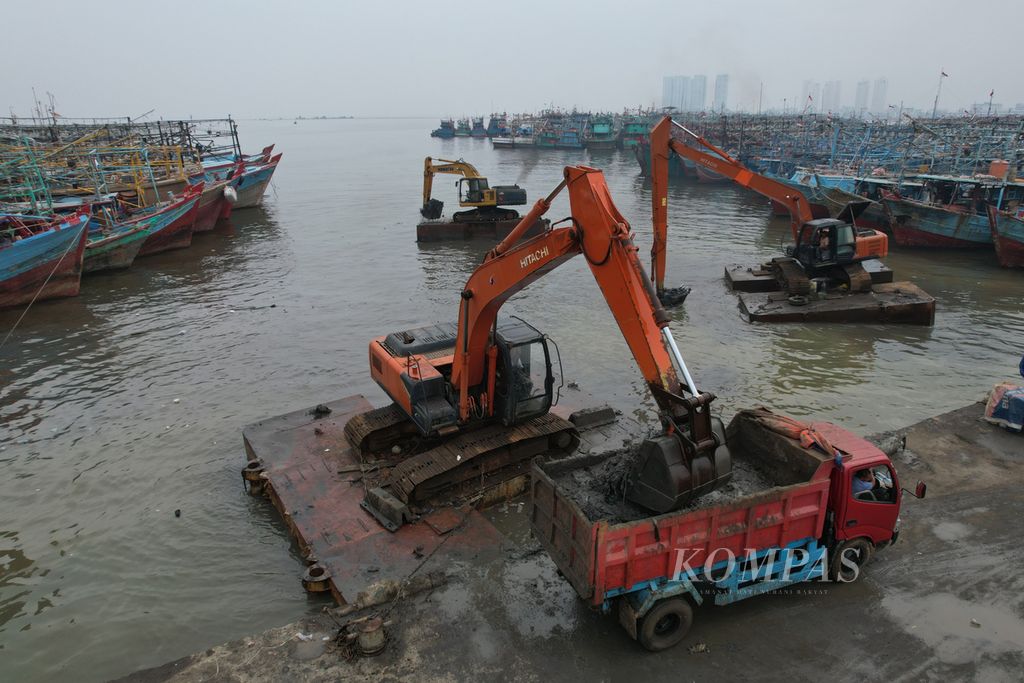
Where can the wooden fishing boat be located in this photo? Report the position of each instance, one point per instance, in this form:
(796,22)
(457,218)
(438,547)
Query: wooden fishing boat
(253,183)
(41,260)
(445,131)
(175,233)
(1007,236)
(212,201)
(223,162)
(116,249)
(601,133)
(919,224)
(951,210)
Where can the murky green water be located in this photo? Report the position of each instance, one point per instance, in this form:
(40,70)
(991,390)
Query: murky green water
(126,403)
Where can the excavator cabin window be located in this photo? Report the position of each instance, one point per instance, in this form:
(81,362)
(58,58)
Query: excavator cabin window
(832,242)
(472,190)
(525,380)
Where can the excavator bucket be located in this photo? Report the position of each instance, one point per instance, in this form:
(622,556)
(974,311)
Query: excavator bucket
(432,209)
(669,472)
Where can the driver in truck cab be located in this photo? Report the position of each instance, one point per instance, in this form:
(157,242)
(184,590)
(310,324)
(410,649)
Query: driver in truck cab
(863,480)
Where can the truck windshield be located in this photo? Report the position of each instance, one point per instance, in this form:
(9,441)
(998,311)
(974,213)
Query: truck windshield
(875,485)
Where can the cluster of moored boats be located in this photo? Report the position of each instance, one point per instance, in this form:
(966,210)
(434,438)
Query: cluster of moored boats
(553,129)
(946,198)
(53,233)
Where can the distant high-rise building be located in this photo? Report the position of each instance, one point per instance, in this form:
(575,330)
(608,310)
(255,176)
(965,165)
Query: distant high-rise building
(860,102)
(667,91)
(986,108)
(721,92)
(831,96)
(698,92)
(676,92)
(811,97)
(878,97)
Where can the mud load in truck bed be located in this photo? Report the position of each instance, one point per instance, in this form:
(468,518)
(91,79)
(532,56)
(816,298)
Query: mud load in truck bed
(605,546)
(596,483)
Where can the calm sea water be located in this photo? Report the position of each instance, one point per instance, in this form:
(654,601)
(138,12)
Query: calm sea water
(125,404)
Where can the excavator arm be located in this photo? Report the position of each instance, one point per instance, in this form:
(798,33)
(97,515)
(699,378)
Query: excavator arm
(432,166)
(717,160)
(603,236)
(690,458)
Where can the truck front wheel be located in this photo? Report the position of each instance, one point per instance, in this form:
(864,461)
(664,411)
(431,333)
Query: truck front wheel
(849,560)
(666,624)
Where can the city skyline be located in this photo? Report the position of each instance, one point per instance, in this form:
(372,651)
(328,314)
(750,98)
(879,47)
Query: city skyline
(687,93)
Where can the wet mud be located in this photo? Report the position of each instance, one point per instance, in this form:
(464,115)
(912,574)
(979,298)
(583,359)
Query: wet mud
(599,489)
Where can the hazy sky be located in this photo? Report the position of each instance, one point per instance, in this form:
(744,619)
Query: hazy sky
(434,58)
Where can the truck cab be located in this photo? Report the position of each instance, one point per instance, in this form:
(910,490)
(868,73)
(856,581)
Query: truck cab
(872,512)
(864,502)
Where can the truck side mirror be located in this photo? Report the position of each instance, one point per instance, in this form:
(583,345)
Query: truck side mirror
(921,489)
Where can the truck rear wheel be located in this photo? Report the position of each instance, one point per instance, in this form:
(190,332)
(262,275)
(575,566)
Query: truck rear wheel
(666,624)
(849,560)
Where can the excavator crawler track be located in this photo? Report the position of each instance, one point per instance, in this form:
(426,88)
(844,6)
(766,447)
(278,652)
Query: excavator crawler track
(377,431)
(479,459)
(437,471)
(484,215)
(856,277)
(791,276)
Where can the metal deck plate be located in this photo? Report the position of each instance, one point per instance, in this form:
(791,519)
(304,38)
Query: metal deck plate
(315,481)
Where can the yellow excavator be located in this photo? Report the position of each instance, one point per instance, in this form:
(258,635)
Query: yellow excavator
(474,192)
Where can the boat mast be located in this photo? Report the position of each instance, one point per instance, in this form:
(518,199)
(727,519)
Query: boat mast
(938,91)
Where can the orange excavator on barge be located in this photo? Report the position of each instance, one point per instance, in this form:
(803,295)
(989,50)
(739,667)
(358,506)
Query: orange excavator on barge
(822,275)
(472,400)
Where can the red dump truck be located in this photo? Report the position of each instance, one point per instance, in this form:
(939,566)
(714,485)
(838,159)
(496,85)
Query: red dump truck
(809,526)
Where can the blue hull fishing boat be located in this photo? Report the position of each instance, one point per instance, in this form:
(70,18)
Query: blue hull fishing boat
(41,260)
(446,130)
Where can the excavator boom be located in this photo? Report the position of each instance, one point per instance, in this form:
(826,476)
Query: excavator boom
(602,235)
(432,166)
(663,144)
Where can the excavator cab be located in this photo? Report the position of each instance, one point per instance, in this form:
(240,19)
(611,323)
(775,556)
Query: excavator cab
(824,242)
(474,192)
(524,383)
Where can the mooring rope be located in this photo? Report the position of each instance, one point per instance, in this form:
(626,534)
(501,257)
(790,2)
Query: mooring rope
(73,243)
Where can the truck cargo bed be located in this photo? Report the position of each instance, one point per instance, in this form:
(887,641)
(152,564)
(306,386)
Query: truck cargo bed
(604,557)
(598,487)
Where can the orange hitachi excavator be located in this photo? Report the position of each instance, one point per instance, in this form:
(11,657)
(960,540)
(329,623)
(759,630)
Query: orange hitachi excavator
(825,247)
(471,400)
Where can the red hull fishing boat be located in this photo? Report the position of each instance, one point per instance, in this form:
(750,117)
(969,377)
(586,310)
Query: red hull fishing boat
(177,234)
(1007,236)
(41,260)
